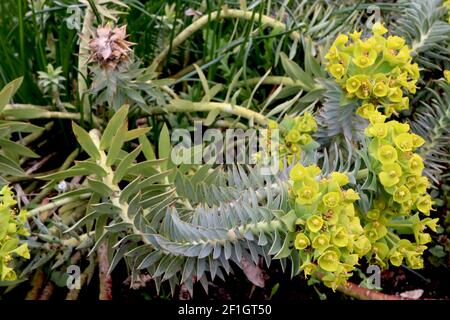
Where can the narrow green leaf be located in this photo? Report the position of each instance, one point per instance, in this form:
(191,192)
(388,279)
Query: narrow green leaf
(17,148)
(113,126)
(8,127)
(65,174)
(85,141)
(212,115)
(99,187)
(164,146)
(296,72)
(147,148)
(10,163)
(202,79)
(136,133)
(8,92)
(90,166)
(117,143)
(125,164)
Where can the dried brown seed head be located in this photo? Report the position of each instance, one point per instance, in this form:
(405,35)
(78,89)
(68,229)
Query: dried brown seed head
(109,47)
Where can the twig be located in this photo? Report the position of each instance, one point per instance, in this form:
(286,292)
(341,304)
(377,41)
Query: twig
(43,114)
(36,285)
(47,292)
(36,135)
(56,204)
(105,278)
(208,106)
(360,293)
(39,164)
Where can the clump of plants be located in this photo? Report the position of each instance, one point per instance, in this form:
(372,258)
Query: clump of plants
(88,137)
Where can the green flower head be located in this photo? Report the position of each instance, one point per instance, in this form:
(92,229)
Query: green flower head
(414,260)
(395,42)
(402,194)
(372,234)
(362,245)
(424,204)
(365,110)
(387,154)
(380,249)
(365,89)
(352,85)
(418,141)
(380,89)
(415,164)
(301,241)
(306,123)
(321,241)
(411,181)
(340,237)
(424,238)
(314,223)
(373,214)
(378,130)
(337,70)
(351,195)
(399,127)
(390,175)
(331,199)
(404,141)
(308,268)
(293,136)
(395,94)
(306,194)
(329,261)
(431,223)
(297,173)
(341,40)
(363,61)
(341,178)
(396,258)
(305,139)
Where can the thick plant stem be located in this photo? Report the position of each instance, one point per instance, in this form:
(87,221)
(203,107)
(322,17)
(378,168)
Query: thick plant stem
(36,283)
(56,204)
(225,13)
(273,80)
(209,106)
(34,136)
(108,180)
(48,291)
(355,291)
(105,278)
(41,112)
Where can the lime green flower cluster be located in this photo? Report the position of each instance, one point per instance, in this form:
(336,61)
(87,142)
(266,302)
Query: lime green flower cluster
(382,223)
(332,239)
(404,190)
(12,225)
(399,169)
(295,135)
(376,70)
